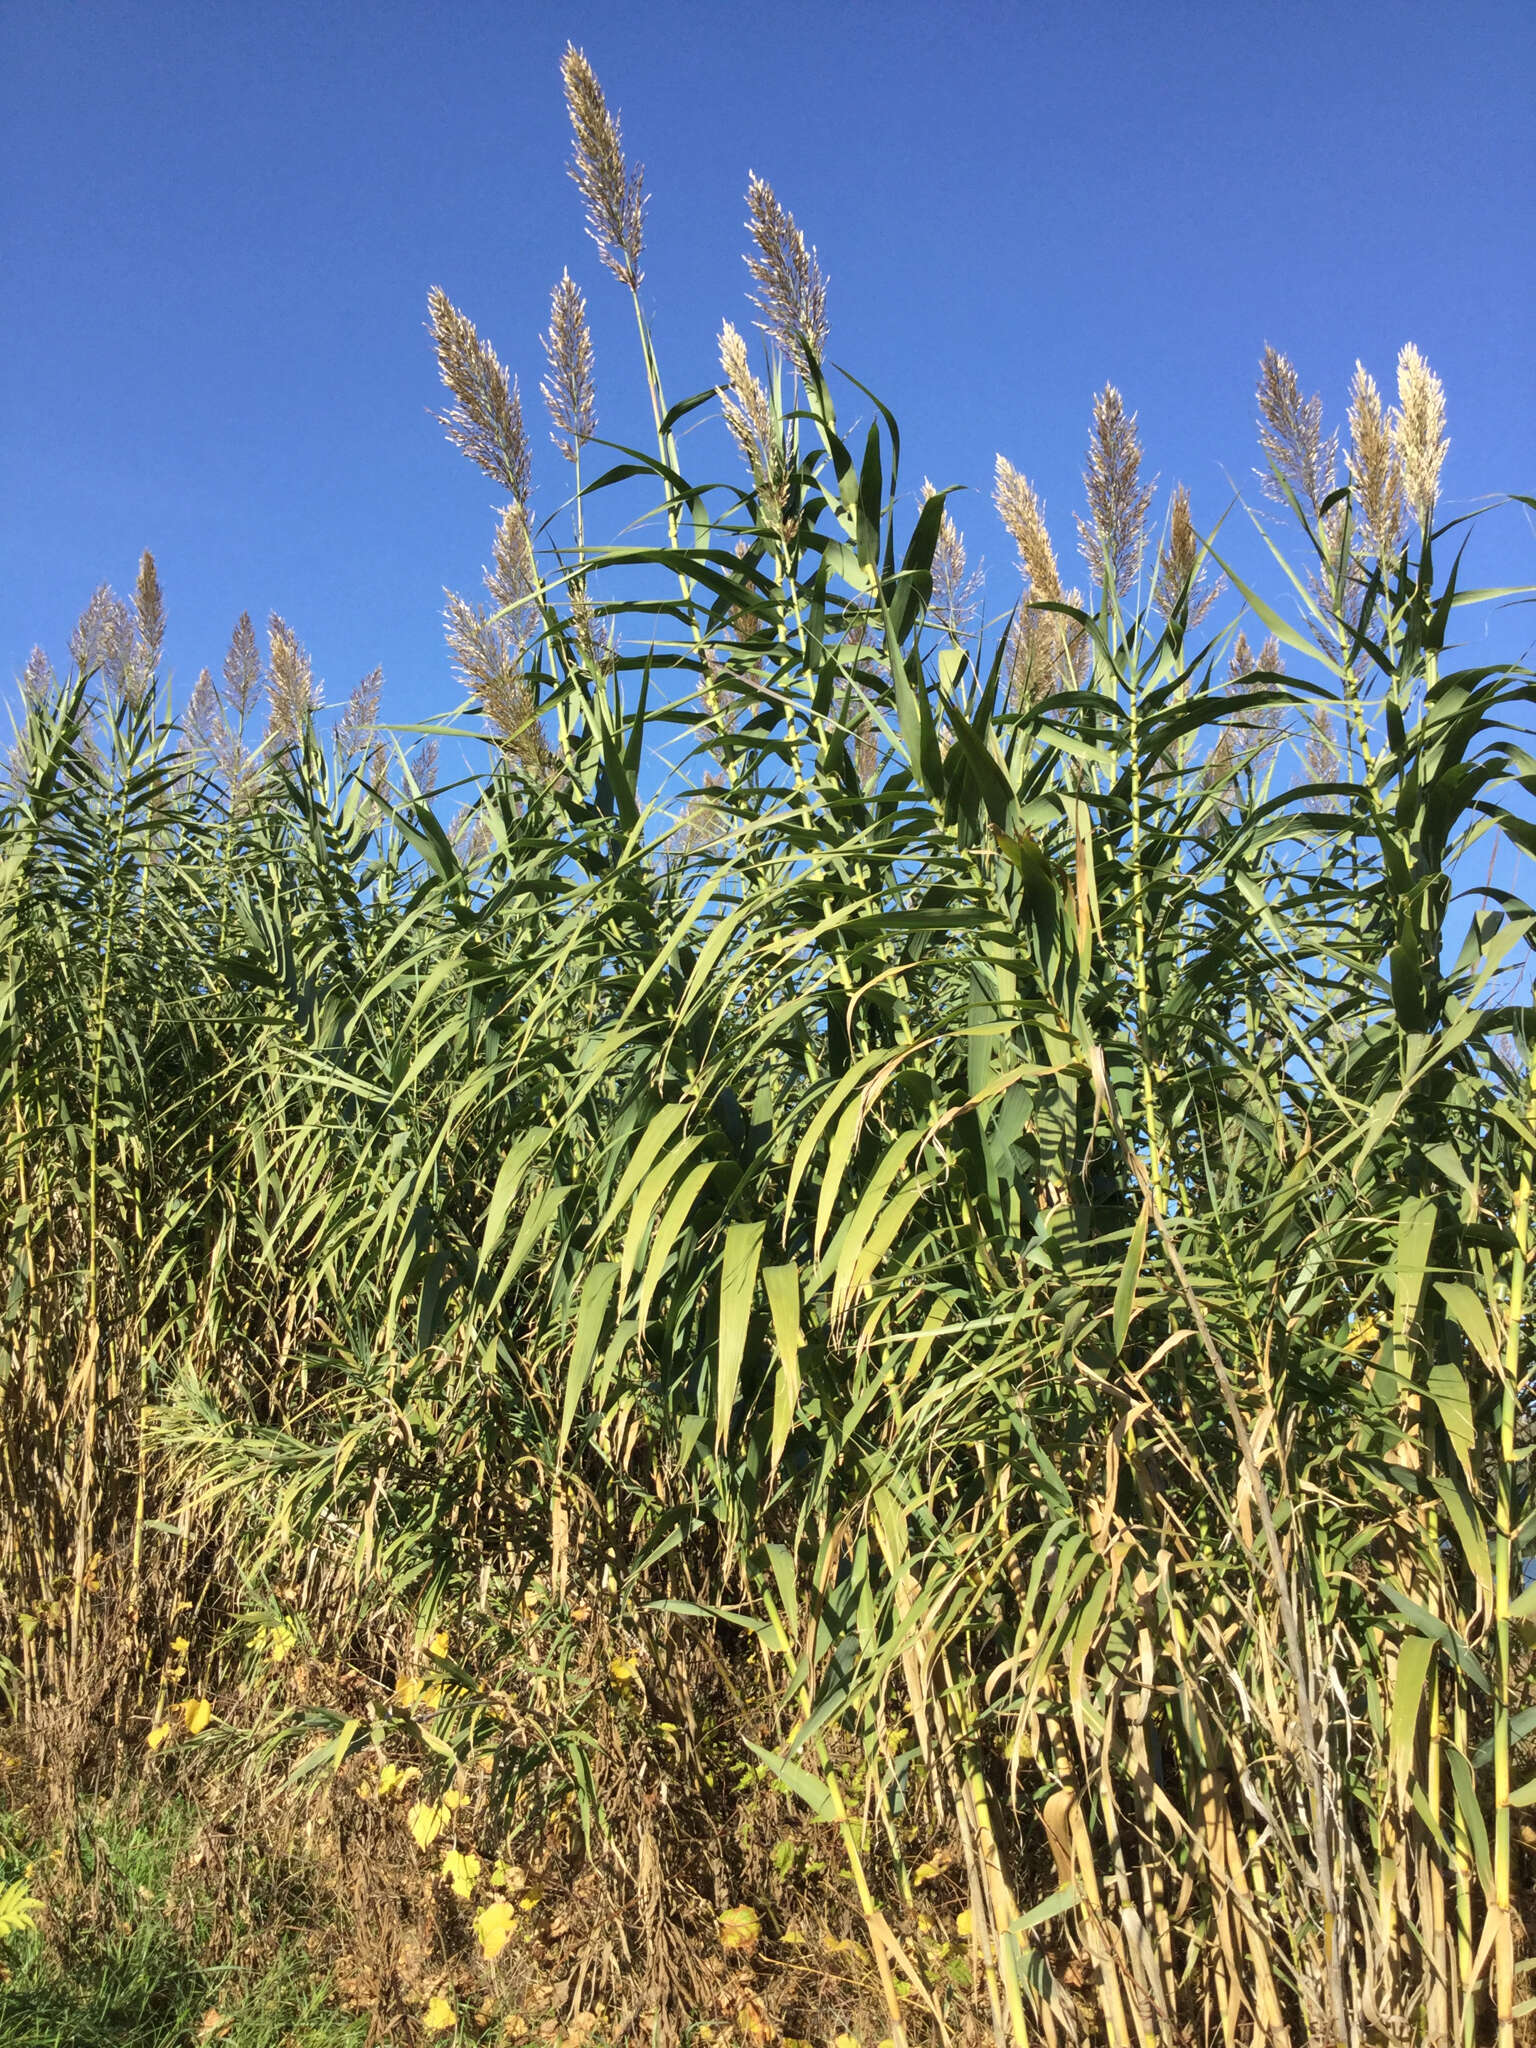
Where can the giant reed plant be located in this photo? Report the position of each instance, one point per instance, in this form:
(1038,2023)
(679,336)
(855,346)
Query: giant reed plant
(1010,1197)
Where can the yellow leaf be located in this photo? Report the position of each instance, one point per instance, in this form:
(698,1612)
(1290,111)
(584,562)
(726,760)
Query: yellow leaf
(529,1901)
(461,1869)
(408,1691)
(439,2016)
(963,1923)
(452,1801)
(793,1936)
(180,1645)
(925,1873)
(752,2021)
(426,1823)
(393,1780)
(845,2041)
(493,1928)
(506,1877)
(158,1735)
(439,1643)
(740,1928)
(197,1714)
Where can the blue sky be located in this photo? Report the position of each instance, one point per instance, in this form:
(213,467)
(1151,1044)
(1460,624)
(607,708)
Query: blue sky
(219,226)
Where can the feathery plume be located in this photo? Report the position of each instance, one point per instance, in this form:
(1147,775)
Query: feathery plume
(487,422)
(613,194)
(513,575)
(38,681)
(1291,433)
(358,724)
(569,391)
(1375,473)
(293,696)
(486,661)
(1023,515)
(1113,537)
(102,641)
(956,587)
(204,721)
(1048,651)
(1246,737)
(149,613)
(1181,575)
(791,290)
(744,402)
(423,767)
(1321,752)
(1418,432)
(242,669)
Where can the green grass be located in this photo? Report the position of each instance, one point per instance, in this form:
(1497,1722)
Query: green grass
(112,1964)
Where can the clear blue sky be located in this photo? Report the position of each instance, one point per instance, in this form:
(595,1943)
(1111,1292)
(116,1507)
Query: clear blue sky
(218,226)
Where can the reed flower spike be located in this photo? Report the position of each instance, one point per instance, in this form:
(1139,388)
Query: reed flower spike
(1291,434)
(1019,508)
(293,696)
(1180,574)
(791,290)
(242,668)
(1114,536)
(614,194)
(569,391)
(1418,430)
(37,678)
(744,402)
(487,421)
(1375,474)
(102,642)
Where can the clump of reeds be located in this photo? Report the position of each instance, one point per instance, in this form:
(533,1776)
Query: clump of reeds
(966,1303)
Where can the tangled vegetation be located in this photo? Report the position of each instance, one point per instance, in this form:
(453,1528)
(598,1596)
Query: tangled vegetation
(900,1388)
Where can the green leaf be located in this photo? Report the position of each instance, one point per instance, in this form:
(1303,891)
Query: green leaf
(1130,1274)
(738,1283)
(596,1293)
(781,1284)
(1415,1661)
(1415,1230)
(1464,1786)
(809,1790)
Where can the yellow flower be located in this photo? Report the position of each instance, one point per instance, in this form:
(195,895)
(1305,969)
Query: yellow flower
(493,1928)
(461,1869)
(158,1735)
(180,1645)
(740,1928)
(624,1670)
(197,1714)
(439,2015)
(408,1691)
(439,1643)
